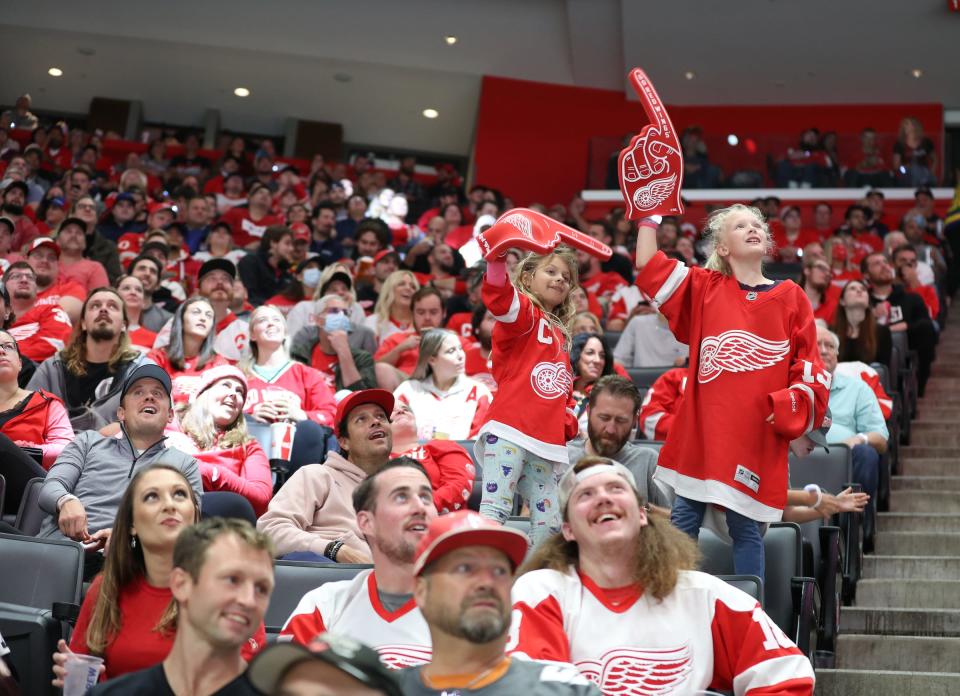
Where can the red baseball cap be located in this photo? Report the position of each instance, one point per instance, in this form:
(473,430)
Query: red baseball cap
(467,528)
(301,233)
(42,242)
(160,205)
(384,253)
(380,397)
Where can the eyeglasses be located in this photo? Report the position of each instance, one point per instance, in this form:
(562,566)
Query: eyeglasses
(86,206)
(8,348)
(21,276)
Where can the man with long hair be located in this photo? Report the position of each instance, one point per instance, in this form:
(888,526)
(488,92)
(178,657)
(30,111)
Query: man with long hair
(615,593)
(89,372)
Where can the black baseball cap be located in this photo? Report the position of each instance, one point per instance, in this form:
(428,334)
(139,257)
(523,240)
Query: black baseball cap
(18,184)
(147,370)
(225,265)
(351,657)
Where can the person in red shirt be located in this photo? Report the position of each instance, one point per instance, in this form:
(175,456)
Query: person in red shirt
(603,284)
(250,222)
(40,329)
(52,287)
(839,255)
(864,241)
(790,238)
(72,240)
(397,355)
(822,293)
(479,362)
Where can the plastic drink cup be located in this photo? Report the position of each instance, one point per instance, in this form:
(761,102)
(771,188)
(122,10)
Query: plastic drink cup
(82,674)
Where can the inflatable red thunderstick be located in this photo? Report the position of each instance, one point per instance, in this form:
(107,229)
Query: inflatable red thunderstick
(521,228)
(651,166)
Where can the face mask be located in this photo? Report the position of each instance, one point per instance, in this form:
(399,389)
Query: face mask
(311,277)
(336,322)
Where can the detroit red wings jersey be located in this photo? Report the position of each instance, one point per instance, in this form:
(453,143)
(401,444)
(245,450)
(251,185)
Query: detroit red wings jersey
(352,608)
(872,378)
(532,369)
(661,402)
(297,382)
(705,634)
(41,331)
(751,354)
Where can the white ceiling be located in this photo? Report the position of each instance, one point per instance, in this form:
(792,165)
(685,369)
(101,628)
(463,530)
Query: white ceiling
(182,57)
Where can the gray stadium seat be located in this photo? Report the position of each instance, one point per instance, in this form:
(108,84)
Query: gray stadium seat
(30,516)
(32,635)
(750,584)
(613,337)
(293,579)
(644,377)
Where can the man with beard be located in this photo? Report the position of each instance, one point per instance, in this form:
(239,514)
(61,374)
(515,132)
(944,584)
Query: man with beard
(479,363)
(603,284)
(394,505)
(612,410)
(464,573)
(443,271)
(312,515)
(40,329)
(615,593)
(819,288)
(52,287)
(89,373)
(14,201)
(79,181)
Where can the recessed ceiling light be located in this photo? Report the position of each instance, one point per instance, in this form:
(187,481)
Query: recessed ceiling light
(55,72)
(450,40)
(430,113)
(242,92)
(917,73)
(733,140)
(689,74)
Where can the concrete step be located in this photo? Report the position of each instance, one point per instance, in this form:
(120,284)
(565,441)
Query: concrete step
(918,544)
(915,594)
(937,439)
(927,466)
(917,522)
(911,567)
(900,622)
(924,501)
(921,450)
(944,399)
(852,682)
(898,653)
(927,483)
(935,413)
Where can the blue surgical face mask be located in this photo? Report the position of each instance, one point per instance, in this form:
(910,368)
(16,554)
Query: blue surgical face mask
(311,277)
(336,322)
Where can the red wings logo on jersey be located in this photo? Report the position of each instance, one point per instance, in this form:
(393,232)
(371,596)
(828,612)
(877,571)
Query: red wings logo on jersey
(402,656)
(633,672)
(551,380)
(24,331)
(738,351)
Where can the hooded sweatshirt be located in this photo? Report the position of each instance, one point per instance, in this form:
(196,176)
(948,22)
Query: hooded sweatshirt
(315,507)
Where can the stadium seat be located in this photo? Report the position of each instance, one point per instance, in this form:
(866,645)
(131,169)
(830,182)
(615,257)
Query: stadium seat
(613,337)
(31,634)
(48,571)
(750,584)
(783,271)
(30,516)
(644,377)
(3,491)
(293,579)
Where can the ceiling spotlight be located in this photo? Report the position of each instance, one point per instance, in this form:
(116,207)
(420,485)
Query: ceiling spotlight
(917,73)
(242,92)
(450,40)
(430,113)
(689,74)
(732,140)
(54,72)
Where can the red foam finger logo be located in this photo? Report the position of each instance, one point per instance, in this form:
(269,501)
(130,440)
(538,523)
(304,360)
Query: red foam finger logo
(651,166)
(521,228)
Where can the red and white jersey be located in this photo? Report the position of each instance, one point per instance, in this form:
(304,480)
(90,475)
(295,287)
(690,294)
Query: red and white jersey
(41,331)
(872,378)
(455,414)
(623,301)
(603,284)
(300,383)
(752,353)
(128,246)
(480,367)
(352,608)
(661,403)
(450,470)
(460,324)
(705,634)
(233,336)
(62,288)
(532,368)
(247,231)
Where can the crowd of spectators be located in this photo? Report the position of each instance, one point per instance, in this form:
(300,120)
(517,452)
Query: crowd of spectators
(162,314)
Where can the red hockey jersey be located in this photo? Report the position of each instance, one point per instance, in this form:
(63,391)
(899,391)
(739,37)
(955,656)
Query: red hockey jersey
(705,634)
(304,384)
(450,470)
(751,354)
(531,366)
(660,404)
(41,331)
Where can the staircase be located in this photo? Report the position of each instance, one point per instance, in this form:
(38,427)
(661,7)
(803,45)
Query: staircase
(903,635)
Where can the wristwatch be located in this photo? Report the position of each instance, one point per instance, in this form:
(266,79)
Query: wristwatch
(814,488)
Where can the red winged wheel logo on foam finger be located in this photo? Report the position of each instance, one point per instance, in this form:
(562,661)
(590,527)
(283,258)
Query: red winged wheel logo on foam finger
(651,166)
(522,228)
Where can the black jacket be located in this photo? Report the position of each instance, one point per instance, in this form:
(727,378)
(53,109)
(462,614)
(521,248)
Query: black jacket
(261,279)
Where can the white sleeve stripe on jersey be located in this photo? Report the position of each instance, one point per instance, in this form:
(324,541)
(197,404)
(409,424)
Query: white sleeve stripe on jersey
(671,284)
(813,403)
(55,342)
(773,671)
(513,312)
(650,425)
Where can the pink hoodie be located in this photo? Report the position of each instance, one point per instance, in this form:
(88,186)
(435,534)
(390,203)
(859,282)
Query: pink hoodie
(315,507)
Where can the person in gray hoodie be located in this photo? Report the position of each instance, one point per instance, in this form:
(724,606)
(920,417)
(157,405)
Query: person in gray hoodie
(83,488)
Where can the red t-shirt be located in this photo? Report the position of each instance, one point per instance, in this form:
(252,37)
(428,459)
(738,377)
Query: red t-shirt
(460,324)
(324,364)
(407,360)
(247,231)
(64,287)
(450,470)
(142,337)
(603,284)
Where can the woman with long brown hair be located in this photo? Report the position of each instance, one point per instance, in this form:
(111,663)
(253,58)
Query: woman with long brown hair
(128,616)
(861,337)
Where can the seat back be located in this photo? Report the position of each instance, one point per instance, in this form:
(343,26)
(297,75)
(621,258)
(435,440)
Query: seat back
(30,516)
(830,470)
(40,572)
(3,491)
(613,337)
(293,579)
(750,584)
(884,373)
(644,377)
(32,635)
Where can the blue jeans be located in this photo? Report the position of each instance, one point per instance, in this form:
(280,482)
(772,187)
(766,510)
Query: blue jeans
(687,516)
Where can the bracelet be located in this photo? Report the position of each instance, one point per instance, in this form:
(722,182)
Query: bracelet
(814,488)
(864,438)
(332,549)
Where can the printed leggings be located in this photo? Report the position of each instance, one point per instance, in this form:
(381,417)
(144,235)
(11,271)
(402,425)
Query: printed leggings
(510,469)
